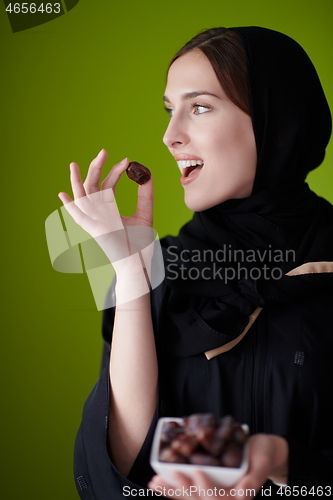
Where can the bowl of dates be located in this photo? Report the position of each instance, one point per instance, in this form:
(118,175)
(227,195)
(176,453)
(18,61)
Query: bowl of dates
(202,441)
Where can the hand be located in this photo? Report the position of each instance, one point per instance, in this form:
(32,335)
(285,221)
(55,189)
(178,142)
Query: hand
(95,210)
(268,459)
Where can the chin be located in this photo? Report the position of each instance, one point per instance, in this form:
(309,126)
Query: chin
(198,205)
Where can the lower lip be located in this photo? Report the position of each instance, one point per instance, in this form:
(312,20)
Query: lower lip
(194,174)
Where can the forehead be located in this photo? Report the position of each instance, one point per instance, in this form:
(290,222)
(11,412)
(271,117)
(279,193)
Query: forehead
(190,72)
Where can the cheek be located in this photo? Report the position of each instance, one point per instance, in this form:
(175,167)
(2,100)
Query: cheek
(221,136)
(210,139)
(221,148)
(237,143)
(233,136)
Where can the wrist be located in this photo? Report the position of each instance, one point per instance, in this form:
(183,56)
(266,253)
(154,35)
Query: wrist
(132,281)
(128,268)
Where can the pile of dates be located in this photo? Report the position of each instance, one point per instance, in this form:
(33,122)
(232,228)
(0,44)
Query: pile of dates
(203,439)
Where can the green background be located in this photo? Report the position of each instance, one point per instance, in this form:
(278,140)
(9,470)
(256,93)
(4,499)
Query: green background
(91,79)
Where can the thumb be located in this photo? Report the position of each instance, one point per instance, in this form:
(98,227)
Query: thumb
(144,209)
(260,463)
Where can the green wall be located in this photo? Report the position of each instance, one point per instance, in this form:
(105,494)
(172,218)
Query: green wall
(91,79)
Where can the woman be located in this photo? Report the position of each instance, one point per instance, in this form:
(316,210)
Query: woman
(241,322)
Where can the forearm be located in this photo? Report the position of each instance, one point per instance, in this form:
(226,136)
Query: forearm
(133,371)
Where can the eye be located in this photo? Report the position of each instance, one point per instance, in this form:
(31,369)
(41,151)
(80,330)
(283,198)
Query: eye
(169,111)
(199,109)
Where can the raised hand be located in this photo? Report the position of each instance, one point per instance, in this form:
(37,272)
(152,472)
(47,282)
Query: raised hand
(94,208)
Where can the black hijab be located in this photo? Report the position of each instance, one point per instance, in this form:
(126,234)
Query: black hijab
(212,266)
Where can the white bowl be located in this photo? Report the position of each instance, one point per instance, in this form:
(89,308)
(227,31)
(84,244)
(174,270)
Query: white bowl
(225,476)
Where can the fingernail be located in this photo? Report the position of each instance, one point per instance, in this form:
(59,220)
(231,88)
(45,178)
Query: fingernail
(99,154)
(123,161)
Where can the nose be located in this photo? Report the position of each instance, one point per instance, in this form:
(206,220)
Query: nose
(176,134)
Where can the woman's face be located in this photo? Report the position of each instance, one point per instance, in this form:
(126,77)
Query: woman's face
(206,127)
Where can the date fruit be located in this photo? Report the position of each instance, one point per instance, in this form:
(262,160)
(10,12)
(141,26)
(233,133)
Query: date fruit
(203,439)
(138,173)
(170,431)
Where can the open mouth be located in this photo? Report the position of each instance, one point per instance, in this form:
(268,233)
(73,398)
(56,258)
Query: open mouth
(188,167)
(187,171)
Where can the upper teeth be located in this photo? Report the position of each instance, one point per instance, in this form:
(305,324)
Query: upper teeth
(189,163)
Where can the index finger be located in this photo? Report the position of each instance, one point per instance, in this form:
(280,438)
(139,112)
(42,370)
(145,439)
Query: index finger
(113,176)
(91,184)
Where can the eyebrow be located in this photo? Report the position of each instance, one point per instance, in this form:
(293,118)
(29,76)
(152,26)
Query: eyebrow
(190,95)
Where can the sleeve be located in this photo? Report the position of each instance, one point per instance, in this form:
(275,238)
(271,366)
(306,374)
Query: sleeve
(310,437)
(96,476)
